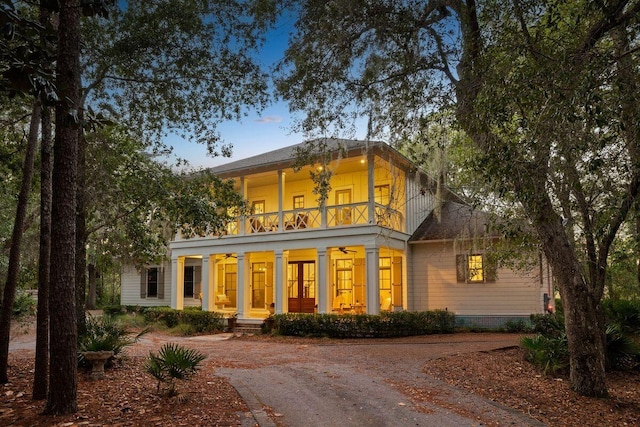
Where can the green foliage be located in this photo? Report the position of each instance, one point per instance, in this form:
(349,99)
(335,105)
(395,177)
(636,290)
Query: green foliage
(106,333)
(549,354)
(183,329)
(623,313)
(392,324)
(24,305)
(548,350)
(173,362)
(517,326)
(198,320)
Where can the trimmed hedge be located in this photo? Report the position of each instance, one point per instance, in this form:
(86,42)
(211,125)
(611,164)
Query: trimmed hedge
(202,321)
(385,325)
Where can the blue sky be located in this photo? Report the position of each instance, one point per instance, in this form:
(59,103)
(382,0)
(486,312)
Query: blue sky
(258,132)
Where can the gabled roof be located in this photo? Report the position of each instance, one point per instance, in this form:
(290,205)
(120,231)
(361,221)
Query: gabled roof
(454,221)
(285,157)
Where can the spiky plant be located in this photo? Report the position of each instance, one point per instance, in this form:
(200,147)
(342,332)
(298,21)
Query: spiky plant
(106,333)
(173,362)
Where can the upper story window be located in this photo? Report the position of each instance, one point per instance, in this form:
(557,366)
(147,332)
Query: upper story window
(298,202)
(381,194)
(258,207)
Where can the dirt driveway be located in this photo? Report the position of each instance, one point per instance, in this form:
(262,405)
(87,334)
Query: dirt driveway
(349,383)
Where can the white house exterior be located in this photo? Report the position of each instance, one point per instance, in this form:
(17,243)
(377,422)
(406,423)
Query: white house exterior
(359,253)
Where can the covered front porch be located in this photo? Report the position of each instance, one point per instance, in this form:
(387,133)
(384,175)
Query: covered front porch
(254,284)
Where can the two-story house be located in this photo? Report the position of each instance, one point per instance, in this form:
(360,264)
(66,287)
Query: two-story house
(374,245)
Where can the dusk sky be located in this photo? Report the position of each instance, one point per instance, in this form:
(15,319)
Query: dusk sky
(258,132)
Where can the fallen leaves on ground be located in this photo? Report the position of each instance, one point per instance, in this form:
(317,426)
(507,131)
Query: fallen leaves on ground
(126,397)
(504,377)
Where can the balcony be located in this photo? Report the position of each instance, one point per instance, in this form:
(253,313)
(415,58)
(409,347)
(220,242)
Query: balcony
(335,216)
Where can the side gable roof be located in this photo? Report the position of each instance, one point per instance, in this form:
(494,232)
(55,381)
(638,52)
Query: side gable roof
(454,221)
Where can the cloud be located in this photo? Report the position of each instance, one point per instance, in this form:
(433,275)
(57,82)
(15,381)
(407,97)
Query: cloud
(269,119)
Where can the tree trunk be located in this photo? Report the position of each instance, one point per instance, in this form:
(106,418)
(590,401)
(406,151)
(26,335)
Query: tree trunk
(41,371)
(584,318)
(16,240)
(81,237)
(62,398)
(93,276)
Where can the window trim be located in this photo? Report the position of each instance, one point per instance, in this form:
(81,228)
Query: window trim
(464,268)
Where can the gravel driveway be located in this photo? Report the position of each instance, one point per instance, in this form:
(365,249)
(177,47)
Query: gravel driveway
(344,383)
(352,383)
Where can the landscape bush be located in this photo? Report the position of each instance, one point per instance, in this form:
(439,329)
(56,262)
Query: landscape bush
(23,305)
(106,333)
(173,362)
(549,349)
(201,321)
(388,324)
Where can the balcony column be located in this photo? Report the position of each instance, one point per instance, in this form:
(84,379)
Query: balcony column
(281,298)
(324,280)
(281,176)
(207,275)
(372,261)
(242,303)
(177,282)
(242,220)
(370,189)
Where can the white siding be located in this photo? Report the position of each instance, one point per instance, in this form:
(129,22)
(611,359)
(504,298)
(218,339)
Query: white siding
(130,288)
(434,286)
(420,202)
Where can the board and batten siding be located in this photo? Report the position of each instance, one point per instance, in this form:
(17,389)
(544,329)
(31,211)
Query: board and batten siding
(435,286)
(419,204)
(130,288)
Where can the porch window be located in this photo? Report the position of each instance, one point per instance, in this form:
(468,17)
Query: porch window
(381,194)
(258,284)
(343,197)
(230,280)
(344,281)
(298,202)
(475,268)
(385,283)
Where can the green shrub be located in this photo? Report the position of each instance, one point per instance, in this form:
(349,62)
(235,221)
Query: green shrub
(388,324)
(549,354)
(622,351)
(106,333)
(623,313)
(173,362)
(200,321)
(183,329)
(23,305)
(113,309)
(549,325)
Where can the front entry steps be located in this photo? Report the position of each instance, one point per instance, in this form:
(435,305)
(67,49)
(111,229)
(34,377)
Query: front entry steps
(247,327)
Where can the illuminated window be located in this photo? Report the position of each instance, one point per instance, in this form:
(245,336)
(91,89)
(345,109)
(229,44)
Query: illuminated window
(344,278)
(381,194)
(474,268)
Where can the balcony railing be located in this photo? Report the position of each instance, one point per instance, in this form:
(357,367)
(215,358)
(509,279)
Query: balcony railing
(346,215)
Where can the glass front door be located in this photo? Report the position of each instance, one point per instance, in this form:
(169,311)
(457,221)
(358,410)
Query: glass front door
(301,286)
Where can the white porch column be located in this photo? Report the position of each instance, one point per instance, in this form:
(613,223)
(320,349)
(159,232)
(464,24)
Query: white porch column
(242,228)
(281,279)
(177,283)
(370,187)
(373,279)
(281,176)
(207,293)
(323,282)
(241,289)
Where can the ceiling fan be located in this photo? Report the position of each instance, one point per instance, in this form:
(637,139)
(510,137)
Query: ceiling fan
(346,251)
(227,256)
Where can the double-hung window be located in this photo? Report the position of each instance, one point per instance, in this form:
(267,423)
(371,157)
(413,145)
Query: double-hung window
(475,268)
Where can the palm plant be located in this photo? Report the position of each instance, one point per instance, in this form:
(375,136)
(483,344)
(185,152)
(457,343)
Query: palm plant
(173,362)
(106,333)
